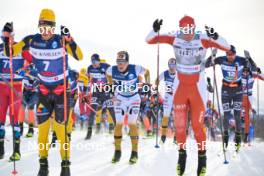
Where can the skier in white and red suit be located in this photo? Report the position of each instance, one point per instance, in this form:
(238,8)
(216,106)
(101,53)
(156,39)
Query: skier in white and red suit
(190,48)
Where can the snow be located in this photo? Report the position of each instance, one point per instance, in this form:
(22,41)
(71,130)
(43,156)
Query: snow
(93,158)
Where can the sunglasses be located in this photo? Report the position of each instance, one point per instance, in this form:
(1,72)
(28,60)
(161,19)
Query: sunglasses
(230,54)
(172,65)
(95,61)
(121,61)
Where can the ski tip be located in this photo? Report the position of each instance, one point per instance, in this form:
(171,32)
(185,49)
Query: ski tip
(226,162)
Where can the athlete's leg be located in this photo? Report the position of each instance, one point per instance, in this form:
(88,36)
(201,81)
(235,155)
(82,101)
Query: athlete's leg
(4,101)
(120,111)
(133,112)
(14,119)
(226,97)
(167,108)
(22,109)
(44,110)
(246,107)
(237,114)
(180,115)
(197,105)
(59,125)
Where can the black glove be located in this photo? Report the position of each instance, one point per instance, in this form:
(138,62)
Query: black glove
(209,80)
(214,52)
(246,69)
(211,33)
(65,31)
(157,24)
(209,86)
(258,70)
(8,27)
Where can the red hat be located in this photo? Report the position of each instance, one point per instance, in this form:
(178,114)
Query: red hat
(186,20)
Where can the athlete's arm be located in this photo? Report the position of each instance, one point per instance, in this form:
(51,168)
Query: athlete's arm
(220,43)
(258,75)
(161,78)
(109,75)
(17,48)
(153,38)
(74,50)
(147,76)
(141,71)
(210,62)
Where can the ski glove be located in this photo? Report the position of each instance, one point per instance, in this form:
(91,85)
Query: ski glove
(157,24)
(259,70)
(8,27)
(211,33)
(65,31)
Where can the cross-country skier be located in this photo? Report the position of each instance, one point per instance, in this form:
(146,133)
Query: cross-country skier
(5,93)
(248,79)
(232,69)
(190,86)
(83,99)
(210,119)
(73,96)
(47,53)
(126,77)
(30,93)
(168,77)
(145,110)
(97,80)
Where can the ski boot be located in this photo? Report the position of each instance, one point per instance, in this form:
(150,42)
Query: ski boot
(133,158)
(201,163)
(21,126)
(98,128)
(181,162)
(174,140)
(44,168)
(149,133)
(2,149)
(111,128)
(65,168)
(30,131)
(53,140)
(117,156)
(246,138)
(89,133)
(69,136)
(225,138)
(238,141)
(163,139)
(16,154)
(81,124)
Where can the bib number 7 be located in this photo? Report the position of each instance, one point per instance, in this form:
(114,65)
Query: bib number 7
(46,65)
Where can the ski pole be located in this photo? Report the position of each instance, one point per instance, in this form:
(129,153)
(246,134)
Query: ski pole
(65,97)
(157,116)
(257,103)
(247,101)
(14,172)
(219,111)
